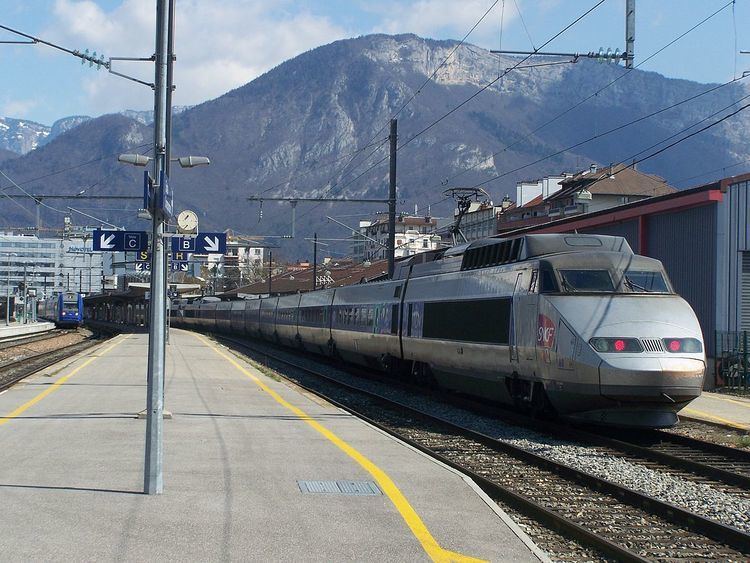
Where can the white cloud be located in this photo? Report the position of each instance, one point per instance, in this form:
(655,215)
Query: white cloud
(12,108)
(219,45)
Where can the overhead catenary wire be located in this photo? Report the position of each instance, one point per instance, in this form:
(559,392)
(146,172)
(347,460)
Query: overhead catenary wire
(40,202)
(561,151)
(669,146)
(707,172)
(591,95)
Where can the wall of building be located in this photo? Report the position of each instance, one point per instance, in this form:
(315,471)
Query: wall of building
(731,244)
(627,229)
(684,241)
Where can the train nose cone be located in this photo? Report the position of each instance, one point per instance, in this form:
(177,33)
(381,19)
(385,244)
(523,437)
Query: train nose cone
(659,379)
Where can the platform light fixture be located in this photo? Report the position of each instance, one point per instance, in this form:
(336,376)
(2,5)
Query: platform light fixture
(184,161)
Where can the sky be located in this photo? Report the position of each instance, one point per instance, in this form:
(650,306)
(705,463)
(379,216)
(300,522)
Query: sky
(223,44)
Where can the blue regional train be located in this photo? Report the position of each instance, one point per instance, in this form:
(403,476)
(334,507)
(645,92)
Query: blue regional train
(64,309)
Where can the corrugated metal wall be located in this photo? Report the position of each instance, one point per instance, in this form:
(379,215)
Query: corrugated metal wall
(734,240)
(627,229)
(685,242)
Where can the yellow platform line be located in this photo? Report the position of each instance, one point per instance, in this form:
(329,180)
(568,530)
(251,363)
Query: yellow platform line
(56,385)
(712,417)
(410,516)
(745,404)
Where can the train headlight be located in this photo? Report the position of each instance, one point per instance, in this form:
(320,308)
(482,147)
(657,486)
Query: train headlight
(684,345)
(616,345)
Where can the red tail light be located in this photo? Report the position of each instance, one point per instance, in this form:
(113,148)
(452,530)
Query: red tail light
(684,345)
(616,345)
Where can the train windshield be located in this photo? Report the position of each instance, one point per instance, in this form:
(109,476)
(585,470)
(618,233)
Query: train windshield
(645,282)
(586,280)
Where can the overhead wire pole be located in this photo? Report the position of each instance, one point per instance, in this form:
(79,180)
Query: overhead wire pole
(629,33)
(153,476)
(168,146)
(393,138)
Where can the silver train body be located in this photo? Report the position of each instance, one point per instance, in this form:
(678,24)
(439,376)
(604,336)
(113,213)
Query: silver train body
(575,324)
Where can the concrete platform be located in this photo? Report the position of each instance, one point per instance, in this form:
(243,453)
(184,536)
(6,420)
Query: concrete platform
(71,473)
(14,330)
(718,408)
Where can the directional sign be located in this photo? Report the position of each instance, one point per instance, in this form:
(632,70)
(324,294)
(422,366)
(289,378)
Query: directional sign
(173,266)
(204,243)
(113,241)
(145,256)
(166,197)
(146,190)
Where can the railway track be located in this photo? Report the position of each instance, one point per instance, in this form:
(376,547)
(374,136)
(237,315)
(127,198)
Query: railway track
(616,521)
(13,372)
(705,459)
(22,340)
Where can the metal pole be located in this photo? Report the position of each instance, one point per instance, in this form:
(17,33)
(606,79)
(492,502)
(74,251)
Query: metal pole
(7,298)
(392,201)
(270,270)
(153,478)
(294,215)
(315,261)
(25,299)
(629,33)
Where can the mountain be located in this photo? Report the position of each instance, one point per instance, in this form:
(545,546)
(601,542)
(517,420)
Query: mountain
(64,125)
(21,136)
(7,155)
(288,133)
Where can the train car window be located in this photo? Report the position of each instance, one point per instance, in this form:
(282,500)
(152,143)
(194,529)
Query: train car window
(645,282)
(506,253)
(586,280)
(465,324)
(516,250)
(408,324)
(397,292)
(549,283)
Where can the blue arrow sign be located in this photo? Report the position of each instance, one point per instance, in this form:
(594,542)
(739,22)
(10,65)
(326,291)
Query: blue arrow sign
(204,243)
(173,266)
(114,241)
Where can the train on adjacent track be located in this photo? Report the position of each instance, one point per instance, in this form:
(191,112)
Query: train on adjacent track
(571,324)
(65,309)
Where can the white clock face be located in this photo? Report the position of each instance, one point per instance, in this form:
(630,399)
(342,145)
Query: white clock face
(187,221)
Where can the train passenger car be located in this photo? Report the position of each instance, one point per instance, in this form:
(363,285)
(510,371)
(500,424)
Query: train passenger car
(576,325)
(64,309)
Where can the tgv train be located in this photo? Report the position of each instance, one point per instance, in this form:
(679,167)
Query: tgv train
(64,309)
(574,324)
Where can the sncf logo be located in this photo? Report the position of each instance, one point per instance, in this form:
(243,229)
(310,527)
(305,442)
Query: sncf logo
(545,335)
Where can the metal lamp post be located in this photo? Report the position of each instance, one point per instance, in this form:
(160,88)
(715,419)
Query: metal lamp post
(7,291)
